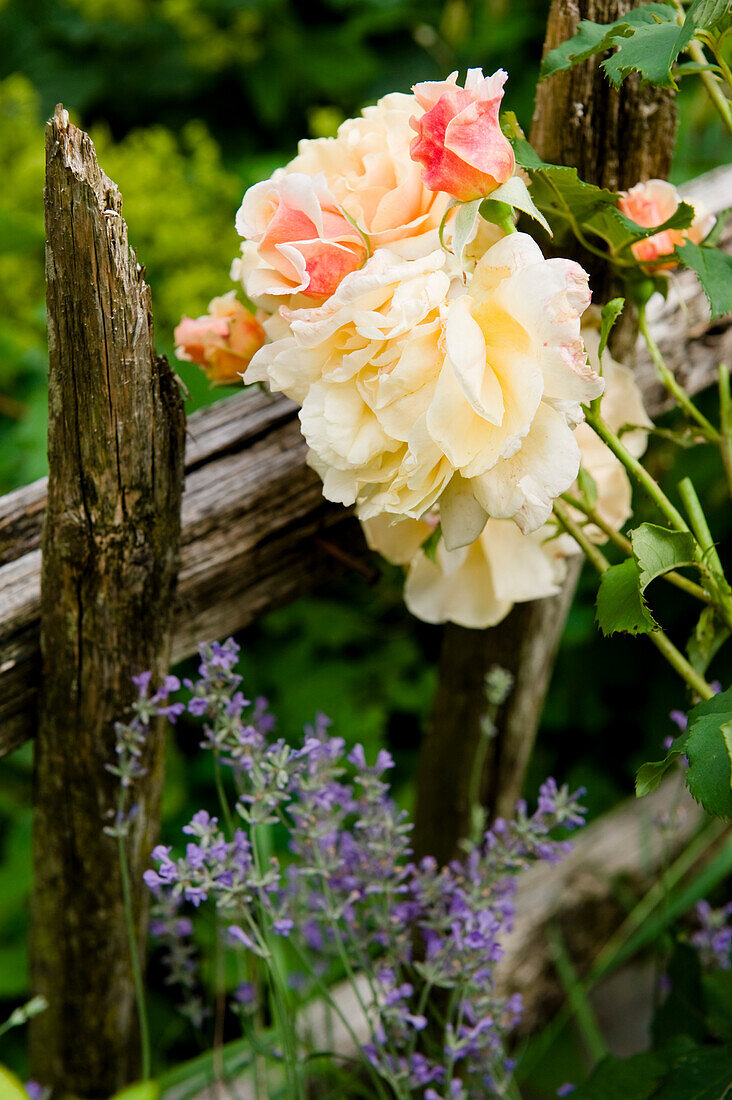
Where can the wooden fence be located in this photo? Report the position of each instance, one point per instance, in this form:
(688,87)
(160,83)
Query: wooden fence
(132,552)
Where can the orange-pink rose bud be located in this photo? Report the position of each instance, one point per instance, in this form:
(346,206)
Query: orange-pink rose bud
(652,203)
(222,341)
(302,241)
(459,139)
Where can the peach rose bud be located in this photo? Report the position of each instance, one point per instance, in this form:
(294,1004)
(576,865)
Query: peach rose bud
(222,341)
(459,140)
(652,203)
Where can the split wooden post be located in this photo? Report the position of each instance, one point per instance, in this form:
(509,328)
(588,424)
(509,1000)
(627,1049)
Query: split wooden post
(110,550)
(614,138)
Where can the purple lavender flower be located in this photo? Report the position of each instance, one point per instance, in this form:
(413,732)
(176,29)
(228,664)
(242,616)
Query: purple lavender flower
(283,926)
(714,939)
(351,890)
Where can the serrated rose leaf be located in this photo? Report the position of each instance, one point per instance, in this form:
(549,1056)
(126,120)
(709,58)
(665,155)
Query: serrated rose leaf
(657,550)
(620,604)
(709,777)
(714,271)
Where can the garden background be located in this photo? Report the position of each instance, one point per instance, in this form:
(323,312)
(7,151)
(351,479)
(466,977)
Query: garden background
(189,102)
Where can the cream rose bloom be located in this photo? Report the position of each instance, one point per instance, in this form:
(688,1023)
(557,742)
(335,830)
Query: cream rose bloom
(415,390)
(477,585)
(474,586)
(300,226)
(370,172)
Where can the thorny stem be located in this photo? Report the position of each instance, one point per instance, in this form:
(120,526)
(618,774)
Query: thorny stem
(638,472)
(710,81)
(667,377)
(626,546)
(661,641)
(711,558)
(593,554)
(712,85)
(713,42)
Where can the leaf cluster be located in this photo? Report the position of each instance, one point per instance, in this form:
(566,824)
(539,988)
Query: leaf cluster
(647,40)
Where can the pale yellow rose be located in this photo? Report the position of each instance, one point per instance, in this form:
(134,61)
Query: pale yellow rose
(477,585)
(412,387)
(370,172)
(474,586)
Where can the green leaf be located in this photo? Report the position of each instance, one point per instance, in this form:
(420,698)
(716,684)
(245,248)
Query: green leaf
(714,271)
(525,154)
(558,190)
(681,218)
(708,15)
(624,1078)
(649,775)
(709,749)
(591,38)
(516,194)
(620,604)
(693,68)
(709,635)
(429,546)
(587,486)
(658,550)
(650,51)
(701,1074)
(559,193)
(609,315)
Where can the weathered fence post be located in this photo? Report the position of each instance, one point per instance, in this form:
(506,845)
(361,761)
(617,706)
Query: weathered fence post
(110,548)
(614,138)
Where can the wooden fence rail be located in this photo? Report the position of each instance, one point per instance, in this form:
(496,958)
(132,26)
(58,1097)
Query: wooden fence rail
(256,531)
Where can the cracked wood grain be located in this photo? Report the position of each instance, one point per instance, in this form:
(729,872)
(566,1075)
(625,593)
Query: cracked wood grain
(108,573)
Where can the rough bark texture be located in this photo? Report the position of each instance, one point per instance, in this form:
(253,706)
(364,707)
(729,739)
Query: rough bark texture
(614,138)
(256,530)
(110,553)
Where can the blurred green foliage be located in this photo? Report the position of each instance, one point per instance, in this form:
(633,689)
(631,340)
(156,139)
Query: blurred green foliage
(189,102)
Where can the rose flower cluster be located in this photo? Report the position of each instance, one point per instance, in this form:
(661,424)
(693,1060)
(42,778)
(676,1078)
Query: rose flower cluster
(440,372)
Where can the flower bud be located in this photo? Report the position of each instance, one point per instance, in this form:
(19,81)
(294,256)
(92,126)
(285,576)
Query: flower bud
(222,341)
(459,139)
(653,203)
